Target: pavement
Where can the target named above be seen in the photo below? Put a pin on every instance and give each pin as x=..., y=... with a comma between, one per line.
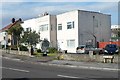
x=64, y=63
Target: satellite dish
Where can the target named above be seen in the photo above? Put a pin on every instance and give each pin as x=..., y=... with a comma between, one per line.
x=45, y=45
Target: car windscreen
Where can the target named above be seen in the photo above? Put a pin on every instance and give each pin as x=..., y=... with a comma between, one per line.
x=111, y=46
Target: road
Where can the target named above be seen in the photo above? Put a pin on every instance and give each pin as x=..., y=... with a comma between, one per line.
x=19, y=69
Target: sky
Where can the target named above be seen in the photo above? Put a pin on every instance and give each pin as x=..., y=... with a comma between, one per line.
x=30, y=9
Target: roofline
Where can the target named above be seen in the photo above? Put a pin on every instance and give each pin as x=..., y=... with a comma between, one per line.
x=8, y=26
x=94, y=12
x=84, y=11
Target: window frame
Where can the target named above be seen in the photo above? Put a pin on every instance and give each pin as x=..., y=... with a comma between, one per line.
x=70, y=25
x=71, y=44
x=44, y=27
x=60, y=26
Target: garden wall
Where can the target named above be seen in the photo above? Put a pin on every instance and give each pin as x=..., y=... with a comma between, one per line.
x=26, y=53
x=88, y=58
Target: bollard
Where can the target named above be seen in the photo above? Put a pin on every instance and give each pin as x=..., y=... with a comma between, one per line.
x=91, y=54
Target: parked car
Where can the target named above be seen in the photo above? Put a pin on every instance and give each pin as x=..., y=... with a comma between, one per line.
x=81, y=49
x=86, y=48
x=111, y=49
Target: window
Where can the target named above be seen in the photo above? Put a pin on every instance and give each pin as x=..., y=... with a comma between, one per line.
x=44, y=27
x=70, y=25
x=59, y=26
x=71, y=43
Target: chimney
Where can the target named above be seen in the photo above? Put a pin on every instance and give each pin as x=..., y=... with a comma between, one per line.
x=20, y=19
x=13, y=20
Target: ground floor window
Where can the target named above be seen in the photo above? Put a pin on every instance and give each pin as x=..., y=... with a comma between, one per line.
x=71, y=43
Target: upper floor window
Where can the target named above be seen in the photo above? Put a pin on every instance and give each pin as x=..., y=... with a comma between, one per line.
x=70, y=25
x=59, y=26
x=44, y=27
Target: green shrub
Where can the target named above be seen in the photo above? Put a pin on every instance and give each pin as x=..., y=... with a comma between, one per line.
x=23, y=48
x=14, y=47
x=3, y=46
x=39, y=50
x=52, y=50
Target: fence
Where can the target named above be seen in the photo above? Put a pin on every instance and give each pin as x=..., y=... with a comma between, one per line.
x=103, y=44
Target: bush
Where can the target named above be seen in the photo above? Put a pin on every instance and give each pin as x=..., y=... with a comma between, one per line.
x=23, y=48
x=14, y=47
x=52, y=50
x=39, y=50
x=3, y=46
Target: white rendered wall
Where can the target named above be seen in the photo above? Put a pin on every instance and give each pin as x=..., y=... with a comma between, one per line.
x=35, y=24
x=67, y=34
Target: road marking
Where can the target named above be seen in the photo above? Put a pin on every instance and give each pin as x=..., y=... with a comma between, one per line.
x=75, y=77
x=67, y=76
x=97, y=68
x=16, y=69
x=11, y=58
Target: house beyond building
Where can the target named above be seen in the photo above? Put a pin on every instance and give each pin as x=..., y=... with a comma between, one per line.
x=114, y=34
x=5, y=38
x=80, y=27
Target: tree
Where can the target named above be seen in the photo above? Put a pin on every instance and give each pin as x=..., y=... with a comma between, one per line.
x=15, y=32
x=119, y=33
x=30, y=38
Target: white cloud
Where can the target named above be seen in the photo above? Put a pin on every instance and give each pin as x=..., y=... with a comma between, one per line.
x=94, y=7
x=58, y=9
x=102, y=6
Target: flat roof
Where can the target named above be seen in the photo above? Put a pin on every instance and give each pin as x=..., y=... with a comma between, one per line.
x=85, y=11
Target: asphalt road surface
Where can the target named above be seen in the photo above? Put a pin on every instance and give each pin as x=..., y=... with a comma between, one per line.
x=18, y=69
